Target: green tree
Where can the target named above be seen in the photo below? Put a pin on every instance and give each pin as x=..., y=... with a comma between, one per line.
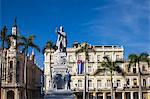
x=49, y=46
x=27, y=43
x=134, y=60
x=85, y=48
x=110, y=66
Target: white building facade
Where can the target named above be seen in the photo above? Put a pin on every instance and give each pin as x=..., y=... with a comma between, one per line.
x=98, y=86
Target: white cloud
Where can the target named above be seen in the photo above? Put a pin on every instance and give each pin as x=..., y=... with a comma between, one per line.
x=122, y=21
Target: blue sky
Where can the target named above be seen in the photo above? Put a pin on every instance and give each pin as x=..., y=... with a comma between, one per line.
x=99, y=22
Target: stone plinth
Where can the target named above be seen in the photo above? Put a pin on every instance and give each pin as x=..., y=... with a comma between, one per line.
x=59, y=94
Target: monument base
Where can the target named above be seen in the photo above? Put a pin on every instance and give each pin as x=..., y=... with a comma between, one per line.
x=59, y=94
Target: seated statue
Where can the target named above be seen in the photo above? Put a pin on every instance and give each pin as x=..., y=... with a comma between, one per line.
x=67, y=79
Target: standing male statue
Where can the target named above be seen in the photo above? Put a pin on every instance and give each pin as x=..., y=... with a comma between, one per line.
x=61, y=40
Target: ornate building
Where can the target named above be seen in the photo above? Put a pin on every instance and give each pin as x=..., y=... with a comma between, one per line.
x=13, y=75
x=98, y=86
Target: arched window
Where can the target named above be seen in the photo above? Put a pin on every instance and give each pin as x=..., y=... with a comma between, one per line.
x=11, y=65
x=10, y=94
x=10, y=71
x=17, y=71
x=144, y=82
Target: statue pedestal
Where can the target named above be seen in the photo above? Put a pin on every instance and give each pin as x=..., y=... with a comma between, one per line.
x=59, y=70
x=59, y=94
x=59, y=89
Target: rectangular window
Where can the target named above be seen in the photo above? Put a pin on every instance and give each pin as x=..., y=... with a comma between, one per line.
x=79, y=57
x=98, y=58
x=117, y=57
x=90, y=68
x=143, y=68
x=144, y=82
x=90, y=83
x=99, y=66
x=135, y=82
x=69, y=58
x=118, y=83
x=108, y=83
x=99, y=83
x=134, y=70
x=90, y=58
x=17, y=71
x=79, y=83
x=127, y=81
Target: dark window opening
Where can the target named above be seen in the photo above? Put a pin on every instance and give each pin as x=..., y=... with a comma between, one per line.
x=134, y=70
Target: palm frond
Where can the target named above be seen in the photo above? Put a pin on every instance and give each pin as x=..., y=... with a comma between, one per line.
x=133, y=57
x=105, y=65
x=31, y=38
x=34, y=46
x=20, y=44
x=79, y=50
x=22, y=38
x=100, y=71
x=119, y=70
x=49, y=45
x=143, y=57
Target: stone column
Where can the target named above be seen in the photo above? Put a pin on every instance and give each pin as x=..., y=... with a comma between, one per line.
x=131, y=95
x=104, y=95
x=114, y=97
x=16, y=92
x=123, y=95
x=94, y=95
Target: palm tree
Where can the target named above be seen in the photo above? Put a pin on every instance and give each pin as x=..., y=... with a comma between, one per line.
x=85, y=48
x=49, y=45
x=134, y=60
x=110, y=66
x=26, y=44
x=3, y=37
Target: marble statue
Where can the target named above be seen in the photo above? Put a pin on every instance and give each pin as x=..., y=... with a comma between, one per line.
x=60, y=61
x=67, y=80
x=61, y=40
x=60, y=82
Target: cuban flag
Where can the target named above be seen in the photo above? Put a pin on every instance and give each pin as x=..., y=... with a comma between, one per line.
x=80, y=67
